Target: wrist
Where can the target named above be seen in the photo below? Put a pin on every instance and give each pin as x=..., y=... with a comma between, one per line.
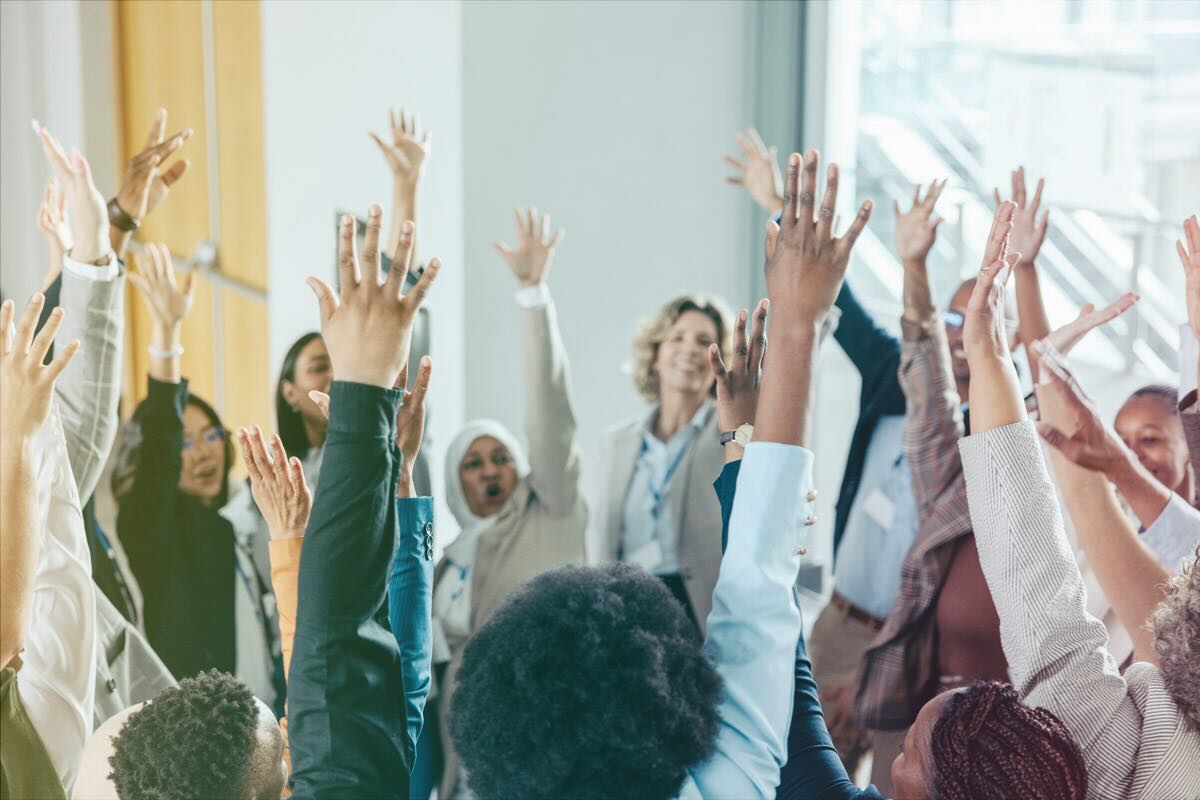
x=404, y=487
x=166, y=335
x=93, y=248
x=1121, y=467
x=916, y=265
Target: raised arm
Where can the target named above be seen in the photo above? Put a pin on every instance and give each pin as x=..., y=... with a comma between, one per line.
x=147, y=181
x=1189, y=405
x=52, y=222
x=346, y=694
x=554, y=460
x=933, y=418
x=406, y=159
x=754, y=625
x=93, y=295
x=1057, y=653
x=1026, y=238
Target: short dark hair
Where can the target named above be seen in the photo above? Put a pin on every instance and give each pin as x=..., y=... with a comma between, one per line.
x=588, y=683
x=291, y=424
x=988, y=745
x=197, y=739
x=1160, y=391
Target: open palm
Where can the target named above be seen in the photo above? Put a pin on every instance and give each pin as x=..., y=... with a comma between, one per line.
x=530, y=259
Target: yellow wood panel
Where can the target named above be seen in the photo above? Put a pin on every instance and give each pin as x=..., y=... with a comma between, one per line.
x=248, y=389
x=198, y=351
x=237, y=39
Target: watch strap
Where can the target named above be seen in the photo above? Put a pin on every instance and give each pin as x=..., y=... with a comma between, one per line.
x=121, y=220
x=726, y=437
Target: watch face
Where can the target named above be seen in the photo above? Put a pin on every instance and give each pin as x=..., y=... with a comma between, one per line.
x=743, y=434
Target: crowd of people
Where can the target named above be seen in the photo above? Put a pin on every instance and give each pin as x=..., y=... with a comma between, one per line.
x=1016, y=603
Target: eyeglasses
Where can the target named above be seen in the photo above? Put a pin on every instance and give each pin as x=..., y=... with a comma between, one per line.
x=210, y=436
x=955, y=319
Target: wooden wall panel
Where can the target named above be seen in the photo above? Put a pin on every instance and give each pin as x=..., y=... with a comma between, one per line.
x=249, y=399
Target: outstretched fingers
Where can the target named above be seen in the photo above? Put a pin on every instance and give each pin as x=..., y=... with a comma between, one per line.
x=370, y=251
x=348, y=272
x=997, y=240
x=398, y=274
x=828, y=204
x=758, y=335
x=808, y=191
x=424, y=283
x=856, y=227
x=791, y=192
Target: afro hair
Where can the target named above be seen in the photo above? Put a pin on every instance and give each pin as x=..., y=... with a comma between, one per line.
x=588, y=683
x=194, y=740
x=1176, y=626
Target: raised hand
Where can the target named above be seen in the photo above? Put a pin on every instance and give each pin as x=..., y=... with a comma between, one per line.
x=1092, y=444
x=52, y=222
x=167, y=299
x=805, y=262
x=984, y=335
x=276, y=483
x=530, y=259
x=916, y=229
x=1028, y=232
x=367, y=327
x=1065, y=338
x=1189, y=256
x=26, y=383
x=87, y=214
x=407, y=153
x=147, y=183
x=759, y=172
x=410, y=423
x=737, y=384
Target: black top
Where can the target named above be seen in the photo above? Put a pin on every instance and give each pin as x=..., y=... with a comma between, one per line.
x=346, y=699
x=180, y=551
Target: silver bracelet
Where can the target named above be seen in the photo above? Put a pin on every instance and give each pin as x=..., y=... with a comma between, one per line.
x=156, y=353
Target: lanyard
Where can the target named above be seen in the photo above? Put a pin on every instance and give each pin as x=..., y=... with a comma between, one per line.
x=118, y=576
x=657, y=493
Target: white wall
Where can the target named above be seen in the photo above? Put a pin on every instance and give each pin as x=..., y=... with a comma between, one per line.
x=613, y=117
x=330, y=71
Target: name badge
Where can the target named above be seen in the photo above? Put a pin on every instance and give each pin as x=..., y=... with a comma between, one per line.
x=648, y=556
x=880, y=508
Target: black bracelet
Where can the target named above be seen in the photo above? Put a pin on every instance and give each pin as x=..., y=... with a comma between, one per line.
x=119, y=219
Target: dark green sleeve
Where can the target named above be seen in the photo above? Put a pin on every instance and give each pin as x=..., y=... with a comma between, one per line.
x=26, y=770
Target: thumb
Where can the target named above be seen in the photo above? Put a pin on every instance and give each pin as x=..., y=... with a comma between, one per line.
x=85, y=169
x=322, y=401
x=326, y=299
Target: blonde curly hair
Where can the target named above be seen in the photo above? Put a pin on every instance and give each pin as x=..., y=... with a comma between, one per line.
x=653, y=331
x=1176, y=626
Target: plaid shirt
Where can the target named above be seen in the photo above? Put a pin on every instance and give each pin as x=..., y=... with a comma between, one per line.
x=899, y=669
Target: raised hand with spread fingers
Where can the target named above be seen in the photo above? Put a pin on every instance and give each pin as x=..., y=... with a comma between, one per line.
x=758, y=171
x=530, y=259
x=1189, y=257
x=1028, y=231
x=916, y=229
x=1065, y=338
x=26, y=382
x=737, y=383
x=367, y=324
x=84, y=203
x=52, y=222
x=169, y=301
x=147, y=180
x=277, y=484
x=410, y=423
x=406, y=156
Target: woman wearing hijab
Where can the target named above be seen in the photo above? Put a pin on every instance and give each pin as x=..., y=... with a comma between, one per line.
x=520, y=516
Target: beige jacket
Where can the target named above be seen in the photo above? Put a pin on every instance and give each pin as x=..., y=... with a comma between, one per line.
x=693, y=502
x=542, y=526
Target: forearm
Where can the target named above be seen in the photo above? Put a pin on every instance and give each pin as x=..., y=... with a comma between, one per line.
x=1126, y=569
x=1031, y=309
x=19, y=540
x=996, y=398
x=166, y=338
x=549, y=415
x=933, y=420
x=1145, y=495
x=918, y=293
x=119, y=240
x=410, y=599
x=404, y=207
x=90, y=391
x=785, y=394
x=285, y=568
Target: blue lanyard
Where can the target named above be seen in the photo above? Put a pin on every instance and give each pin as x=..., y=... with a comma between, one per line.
x=657, y=493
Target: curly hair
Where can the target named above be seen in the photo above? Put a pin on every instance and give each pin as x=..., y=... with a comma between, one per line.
x=653, y=330
x=1176, y=626
x=988, y=745
x=588, y=683
x=194, y=740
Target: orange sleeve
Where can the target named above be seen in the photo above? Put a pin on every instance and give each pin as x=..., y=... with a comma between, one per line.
x=285, y=574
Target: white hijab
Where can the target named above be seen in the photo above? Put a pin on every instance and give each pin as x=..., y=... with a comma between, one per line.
x=471, y=524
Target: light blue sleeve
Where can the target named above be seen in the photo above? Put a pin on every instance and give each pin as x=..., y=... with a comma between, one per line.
x=1175, y=534
x=755, y=624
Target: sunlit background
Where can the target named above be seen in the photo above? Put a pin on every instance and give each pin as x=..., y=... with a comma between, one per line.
x=613, y=117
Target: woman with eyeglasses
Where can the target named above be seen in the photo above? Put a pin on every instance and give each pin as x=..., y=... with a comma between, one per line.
x=206, y=604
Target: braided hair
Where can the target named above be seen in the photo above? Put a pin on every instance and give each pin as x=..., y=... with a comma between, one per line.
x=987, y=745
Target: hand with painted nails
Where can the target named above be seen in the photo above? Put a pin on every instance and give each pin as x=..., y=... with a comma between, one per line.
x=916, y=229
x=26, y=383
x=758, y=171
x=530, y=259
x=52, y=222
x=1064, y=339
x=147, y=180
x=85, y=205
x=737, y=383
x=277, y=484
x=984, y=334
x=806, y=263
x=367, y=324
x=1090, y=444
x=1189, y=256
x=1028, y=232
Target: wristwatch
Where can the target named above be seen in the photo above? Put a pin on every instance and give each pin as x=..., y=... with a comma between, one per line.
x=121, y=220
x=740, y=435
